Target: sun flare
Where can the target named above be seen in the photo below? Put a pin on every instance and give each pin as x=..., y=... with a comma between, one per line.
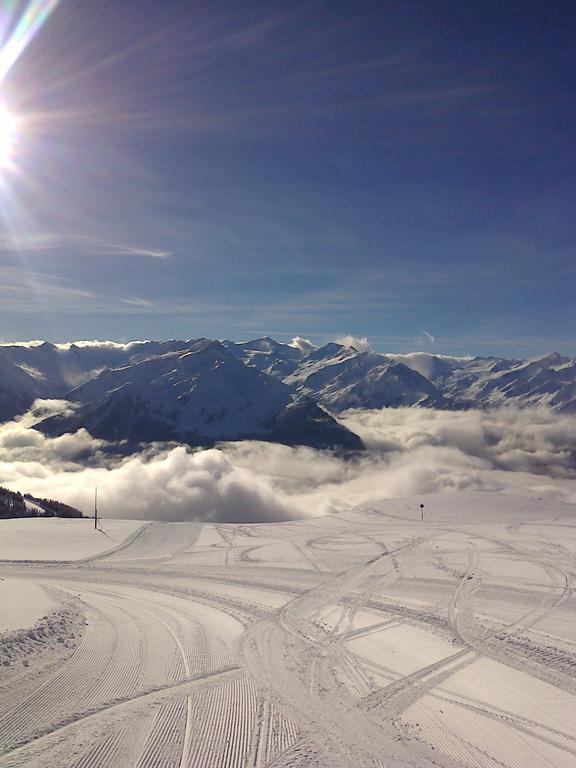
x=8, y=131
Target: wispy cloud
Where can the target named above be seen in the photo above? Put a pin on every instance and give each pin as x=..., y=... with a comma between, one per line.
x=138, y=302
x=114, y=249
x=28, y=291
x=425, y=338
x=25, y=289
x=47, y=242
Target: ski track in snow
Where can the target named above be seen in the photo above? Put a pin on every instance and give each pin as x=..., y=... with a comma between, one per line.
x=357, y=639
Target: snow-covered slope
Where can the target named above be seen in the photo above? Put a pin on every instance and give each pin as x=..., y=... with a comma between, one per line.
x=364, y=638
x=490, y=381
x=57, y=368
x=335, y=376
x=18, y=388
x=23, y=604
x=55, y=538
x=197, y=396
x=267, y=355
x=340, y=377
x=550, y=380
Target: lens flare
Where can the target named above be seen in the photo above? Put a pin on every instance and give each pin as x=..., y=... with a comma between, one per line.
x=8, y=131
x=29, y=22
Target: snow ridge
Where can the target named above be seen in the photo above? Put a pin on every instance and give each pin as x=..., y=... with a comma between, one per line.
x=202, y=390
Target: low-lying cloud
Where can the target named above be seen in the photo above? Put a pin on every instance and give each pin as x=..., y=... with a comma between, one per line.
x=161, y=483
x=410, y=451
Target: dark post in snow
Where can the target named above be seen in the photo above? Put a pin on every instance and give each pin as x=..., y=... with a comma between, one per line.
x=96, y=507
x=422, y=512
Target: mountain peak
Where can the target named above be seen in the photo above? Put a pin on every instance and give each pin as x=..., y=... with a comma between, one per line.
x=336, y=375
x=303, y=345
x=552, y=358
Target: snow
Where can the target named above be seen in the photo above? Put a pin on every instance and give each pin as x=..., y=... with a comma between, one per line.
x=303, y=345
x=162, y=375
x=482, y=507
x=340, y=377
x=60, y=539
x=23, y=603
x=363, y=638
x=428, y=364
x=34, y=508
x=197, y=396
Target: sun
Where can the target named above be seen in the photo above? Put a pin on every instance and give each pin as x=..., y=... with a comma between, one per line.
x=8, y=131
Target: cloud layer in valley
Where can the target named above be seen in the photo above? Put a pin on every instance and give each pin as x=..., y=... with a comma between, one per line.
x=410, y=451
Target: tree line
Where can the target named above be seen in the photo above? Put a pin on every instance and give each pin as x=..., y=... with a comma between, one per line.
x=13, y=504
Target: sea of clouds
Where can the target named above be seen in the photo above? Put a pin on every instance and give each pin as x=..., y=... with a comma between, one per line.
x=410, y=451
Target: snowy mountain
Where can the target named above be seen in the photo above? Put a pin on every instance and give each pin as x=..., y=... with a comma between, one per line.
x=550, y=380
x=58, y=368
x=18, y=388
x=197, y=396
x=341, y=377
x=202, y=390
x=267, y=355
x=492, y=381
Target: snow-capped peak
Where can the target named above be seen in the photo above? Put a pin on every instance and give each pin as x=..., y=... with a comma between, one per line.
x=304, y=345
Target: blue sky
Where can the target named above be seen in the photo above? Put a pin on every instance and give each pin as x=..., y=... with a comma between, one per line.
x=235, y=169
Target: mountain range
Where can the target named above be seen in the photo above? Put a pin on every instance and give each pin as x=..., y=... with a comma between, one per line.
x=201, y=391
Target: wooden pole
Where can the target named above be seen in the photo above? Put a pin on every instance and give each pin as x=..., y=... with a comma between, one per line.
x=96, y=507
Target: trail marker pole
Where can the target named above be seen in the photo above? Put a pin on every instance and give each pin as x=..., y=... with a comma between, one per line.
x=96, y=508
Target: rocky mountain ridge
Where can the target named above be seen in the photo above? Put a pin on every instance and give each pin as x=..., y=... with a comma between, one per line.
x=201, y=391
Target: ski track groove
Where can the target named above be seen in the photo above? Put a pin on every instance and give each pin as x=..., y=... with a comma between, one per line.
x=69, y=683
x=105, y=751
x=167, y=729
x=214, y=678
x=300, y=695
x=130, y=541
